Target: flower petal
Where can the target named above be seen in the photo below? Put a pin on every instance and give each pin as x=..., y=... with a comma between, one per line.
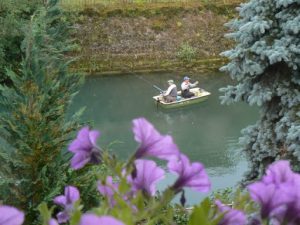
x=269, y=196
x=199, y=180
x=109, y=188
x=152, y=142
x=62, y=217
x=52, y=222
x=93, y=136
x=79, y=160
x=189, y=175
x=231, y=216
x=82, y=141
x=60, y=200
x=148, y=174
x=279, y=172
x=72, y=194
x=91, y=219
x=10, y=216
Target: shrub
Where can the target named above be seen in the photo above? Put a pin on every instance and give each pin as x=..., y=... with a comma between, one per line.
x=186, y=52
x=130, y=196
x=34, y=125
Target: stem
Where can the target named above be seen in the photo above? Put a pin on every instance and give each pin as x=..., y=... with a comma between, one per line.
x=155, y=210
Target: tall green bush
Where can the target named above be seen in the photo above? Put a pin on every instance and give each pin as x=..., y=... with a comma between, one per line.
x=14, y=15
x=34, y=128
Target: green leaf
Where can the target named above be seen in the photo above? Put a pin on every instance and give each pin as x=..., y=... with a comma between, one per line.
x=123, y=211
x=201, y=214
x=123, y=186
x=76, y=214
x=139, y=201
x=45, y=213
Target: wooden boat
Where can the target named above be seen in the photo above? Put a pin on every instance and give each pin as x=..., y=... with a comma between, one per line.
x=200, y=96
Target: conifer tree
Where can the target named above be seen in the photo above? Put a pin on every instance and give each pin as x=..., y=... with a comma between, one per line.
x=14, y=15
x=266, y=65
x=34, y=127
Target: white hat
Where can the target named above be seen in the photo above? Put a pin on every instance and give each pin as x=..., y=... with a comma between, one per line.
x=171, y=81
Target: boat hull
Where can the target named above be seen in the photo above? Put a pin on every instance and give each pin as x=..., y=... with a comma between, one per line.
x=200, y=96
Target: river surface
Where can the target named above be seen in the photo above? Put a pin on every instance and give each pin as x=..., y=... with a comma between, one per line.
x=207, y=132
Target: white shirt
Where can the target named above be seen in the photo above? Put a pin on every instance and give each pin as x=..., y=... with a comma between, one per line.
x=168, y=91
x=188, y=85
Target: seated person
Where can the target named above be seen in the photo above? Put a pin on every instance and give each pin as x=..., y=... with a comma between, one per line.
x=185, y=87
x=170, y=94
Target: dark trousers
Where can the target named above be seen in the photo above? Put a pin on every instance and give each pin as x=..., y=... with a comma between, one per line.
x=187, y=94
x=169, y=98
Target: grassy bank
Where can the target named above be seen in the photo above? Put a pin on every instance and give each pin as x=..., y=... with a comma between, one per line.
x=171, y=36
x=112, y=3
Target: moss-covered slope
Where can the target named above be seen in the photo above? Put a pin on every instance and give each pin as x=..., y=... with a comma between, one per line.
x=160, y=37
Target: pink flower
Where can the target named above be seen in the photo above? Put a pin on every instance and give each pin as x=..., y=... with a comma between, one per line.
x=152, y=143
x=91, y=219
x=67, y=202
x=231, y=216
x=147, y=175
x=108, y=189
x=85, y=148
x=10, y=216
x=190, y=175
x=52, y=222
x=278, y=193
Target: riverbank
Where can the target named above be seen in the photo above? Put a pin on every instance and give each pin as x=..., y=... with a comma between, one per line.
x=151, y=37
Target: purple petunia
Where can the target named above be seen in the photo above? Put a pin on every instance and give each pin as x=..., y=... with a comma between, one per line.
x=152, y=143
x=85, y=148
x=52, y=222
x=91, y=219
x=268, y=196
x=147, y=175
x=277, y=193
x=231, y=216
x=290, y=211
x=10, y=216
x=108, y=189
x=67, y=202
x=191, y=175
x=280, y=172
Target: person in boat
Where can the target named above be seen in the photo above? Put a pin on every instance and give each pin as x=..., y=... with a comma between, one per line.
x=170, y=94
x=185, y=87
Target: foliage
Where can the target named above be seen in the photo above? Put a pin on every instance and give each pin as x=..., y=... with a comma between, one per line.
x=14, y=15
x=34, y=127
x=225, y=195
x=130, y=197
x=266, y=65
x=181, y=215
x=236, y=198
x=186, y=52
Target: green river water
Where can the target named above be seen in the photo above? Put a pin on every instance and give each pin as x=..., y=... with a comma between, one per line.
x=207, y=132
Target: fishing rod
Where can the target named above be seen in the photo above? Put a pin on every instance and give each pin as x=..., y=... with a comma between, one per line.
x=153, y=85
x=148, y=82
x=157, y=88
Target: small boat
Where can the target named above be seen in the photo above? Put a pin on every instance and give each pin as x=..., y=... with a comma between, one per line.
x=200, y=96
